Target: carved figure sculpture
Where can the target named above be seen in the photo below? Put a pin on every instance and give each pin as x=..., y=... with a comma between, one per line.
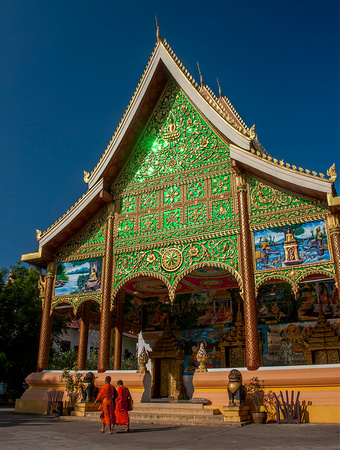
x=89, y=390
x=236, y=391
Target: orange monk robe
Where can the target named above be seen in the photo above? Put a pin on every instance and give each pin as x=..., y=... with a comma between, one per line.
x=121, y=411
x=107, y=412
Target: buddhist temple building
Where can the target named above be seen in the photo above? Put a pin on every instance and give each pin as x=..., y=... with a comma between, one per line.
x=189, y=232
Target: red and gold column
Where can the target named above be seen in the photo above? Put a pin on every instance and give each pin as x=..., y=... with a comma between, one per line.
x=83, y=336
x=46, y=320
x=105, y=311
x=117, y=356
x=334, y=230
x=246, y=264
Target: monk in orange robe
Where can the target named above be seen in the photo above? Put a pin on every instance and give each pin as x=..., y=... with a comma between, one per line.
x=122, y=414
x=106, y=394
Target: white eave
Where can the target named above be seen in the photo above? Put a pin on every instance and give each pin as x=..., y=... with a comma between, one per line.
x=289, y=176
x=161, y=54
x=72, y=215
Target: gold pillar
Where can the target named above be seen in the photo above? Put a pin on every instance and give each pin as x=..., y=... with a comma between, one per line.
x=117, y=355
x=83, y=336
x=46, y=320
x=246, y=263
x=334, y=229
x=105, y=311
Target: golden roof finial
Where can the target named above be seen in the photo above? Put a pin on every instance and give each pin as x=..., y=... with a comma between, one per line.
x=158, y=33
x=219, y=88
x=252, y=133
x=201, y=78
x=39, y=233
x=86, y=176
x=332, y=173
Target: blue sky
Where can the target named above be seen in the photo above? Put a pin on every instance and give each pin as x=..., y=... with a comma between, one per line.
x=69, y=68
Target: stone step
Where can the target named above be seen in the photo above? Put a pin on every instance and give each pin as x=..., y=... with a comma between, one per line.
x=161, y=421
x=164, y=411
x=161, y=410
x=171, y=405
x=175, y=417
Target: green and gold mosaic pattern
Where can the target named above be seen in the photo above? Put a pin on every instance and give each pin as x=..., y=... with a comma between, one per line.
x=89, y=242
x=148, y=223
x=177, y=142
x=126, y=228
x=128, y=204
x=268, y=203
x=148, y=200
x=195, y=189
x=169, y=261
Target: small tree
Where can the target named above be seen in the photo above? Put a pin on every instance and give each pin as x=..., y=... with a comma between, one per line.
x=73, y=385
x=257, y=396
x=20, y=319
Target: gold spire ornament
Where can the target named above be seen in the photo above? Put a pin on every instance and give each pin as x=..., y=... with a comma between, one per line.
x=86, y=176
x=201, y=77
x=219, y=89
x=158, y=33
x=39, y=233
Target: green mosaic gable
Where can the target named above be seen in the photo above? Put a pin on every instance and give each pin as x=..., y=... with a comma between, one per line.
x=269, y=203
x=88, y=242
x=177, y=140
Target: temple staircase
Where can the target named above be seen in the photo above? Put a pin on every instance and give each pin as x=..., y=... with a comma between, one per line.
x=159, y=412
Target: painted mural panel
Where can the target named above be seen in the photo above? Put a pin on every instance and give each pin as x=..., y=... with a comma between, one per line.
x=291, y=245
x=191, y=310
x=276, y=304
x=190, y=341
x=76, y=277
x=285, y=343
x=310, y=294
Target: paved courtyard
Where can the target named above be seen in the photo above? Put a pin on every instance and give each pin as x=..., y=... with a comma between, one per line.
x=27, y=431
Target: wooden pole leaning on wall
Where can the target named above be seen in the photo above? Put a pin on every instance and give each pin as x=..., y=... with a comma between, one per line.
x=84, y=336
x=105, y=310
x=246, y=264
x=46, y=320
x=118, y=346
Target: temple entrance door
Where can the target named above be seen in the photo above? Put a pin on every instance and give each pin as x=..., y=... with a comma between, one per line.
x=167, y=377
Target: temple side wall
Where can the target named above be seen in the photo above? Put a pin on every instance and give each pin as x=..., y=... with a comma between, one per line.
x=319, y=388
x=34, y=399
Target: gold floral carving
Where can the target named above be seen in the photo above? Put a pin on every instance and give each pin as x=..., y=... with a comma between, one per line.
x=172, y=259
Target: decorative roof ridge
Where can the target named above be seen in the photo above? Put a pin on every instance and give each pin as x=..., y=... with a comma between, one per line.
x=40, y=234
x=292, y=168
x=213, y=101
x=233, y=110
x=125, y=113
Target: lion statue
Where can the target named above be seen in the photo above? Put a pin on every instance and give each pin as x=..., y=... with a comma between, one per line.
x=236, y=391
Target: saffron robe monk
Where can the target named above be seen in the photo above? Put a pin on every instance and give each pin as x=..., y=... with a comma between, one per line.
x=106, y=394
x=121, y=412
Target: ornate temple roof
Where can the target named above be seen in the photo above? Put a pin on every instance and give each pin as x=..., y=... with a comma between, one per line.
x=245, y=149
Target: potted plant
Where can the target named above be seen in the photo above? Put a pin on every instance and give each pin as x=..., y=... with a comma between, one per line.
x=258, y=398
x=73, y=387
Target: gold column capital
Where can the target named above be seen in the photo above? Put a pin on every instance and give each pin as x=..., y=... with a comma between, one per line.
x=51, y=269
x=333, y=221
x=241, y=181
